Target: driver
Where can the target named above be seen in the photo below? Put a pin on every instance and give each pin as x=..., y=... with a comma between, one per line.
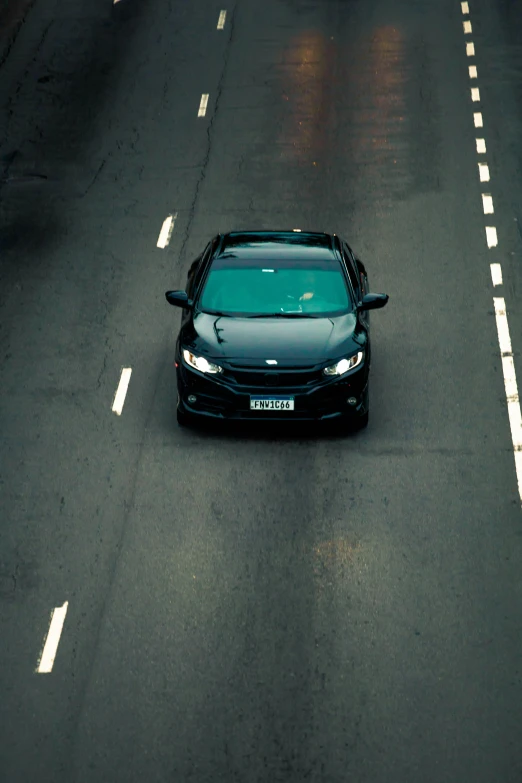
x=309, y=286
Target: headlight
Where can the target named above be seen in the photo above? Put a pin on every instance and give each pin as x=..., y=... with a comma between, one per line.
x=344, y=365
x=200, y=363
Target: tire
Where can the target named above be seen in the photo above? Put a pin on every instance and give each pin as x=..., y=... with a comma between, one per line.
x=362, y=422
x=182, y=418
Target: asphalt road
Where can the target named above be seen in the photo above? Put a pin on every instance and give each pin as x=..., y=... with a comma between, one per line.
x=246, y=606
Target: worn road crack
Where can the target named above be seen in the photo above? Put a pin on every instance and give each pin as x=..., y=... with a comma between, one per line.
x=202, y=176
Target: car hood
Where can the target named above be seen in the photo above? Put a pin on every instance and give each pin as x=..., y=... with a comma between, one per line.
x=287, y=340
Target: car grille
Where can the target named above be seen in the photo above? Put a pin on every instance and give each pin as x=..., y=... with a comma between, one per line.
x=273, y=379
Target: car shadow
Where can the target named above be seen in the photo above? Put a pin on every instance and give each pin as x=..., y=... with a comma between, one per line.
x=272, y=432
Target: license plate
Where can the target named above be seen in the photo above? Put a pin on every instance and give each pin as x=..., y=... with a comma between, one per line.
x=271, y=403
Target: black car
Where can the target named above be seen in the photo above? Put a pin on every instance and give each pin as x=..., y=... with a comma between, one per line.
x=275, y=326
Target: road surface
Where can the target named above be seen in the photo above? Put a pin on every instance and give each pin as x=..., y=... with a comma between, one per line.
x=235, y=605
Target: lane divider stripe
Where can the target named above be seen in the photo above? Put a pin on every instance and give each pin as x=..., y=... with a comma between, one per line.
x=203, y=105
x=496, y=274
x=483, y=172
x=487, y=203
x=491, y=236
x=166, y=231
x=121, y=392
x=510, y=385
x=46, y=662
x=504, y=339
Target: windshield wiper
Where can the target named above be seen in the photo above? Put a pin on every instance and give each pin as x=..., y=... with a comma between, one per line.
x=283, y=315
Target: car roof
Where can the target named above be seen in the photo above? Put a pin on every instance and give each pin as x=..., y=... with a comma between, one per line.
x=310, y=245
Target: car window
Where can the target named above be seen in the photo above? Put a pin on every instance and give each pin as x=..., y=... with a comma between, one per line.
x=316, y=289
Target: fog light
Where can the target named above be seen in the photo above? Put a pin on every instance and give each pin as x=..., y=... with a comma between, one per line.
x=352, y=400
x=192, y=398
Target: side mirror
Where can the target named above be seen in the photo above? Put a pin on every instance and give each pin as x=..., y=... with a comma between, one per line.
x=178, y=299
x=373, y=302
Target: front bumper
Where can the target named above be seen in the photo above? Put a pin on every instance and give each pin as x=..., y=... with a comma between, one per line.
x=217, y=399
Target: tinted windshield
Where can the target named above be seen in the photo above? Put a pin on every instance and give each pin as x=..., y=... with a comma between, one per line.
x=255, y=288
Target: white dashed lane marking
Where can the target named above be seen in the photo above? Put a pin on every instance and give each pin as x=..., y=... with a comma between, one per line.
x=491, y=236
x=504, y=339
x=487, y=203
x=496, y=274
x=46, y=662
x=510, y=385
x=166, y=231
x=203, y=105
x=121, y=392
x=483, y=172
x=221, y=20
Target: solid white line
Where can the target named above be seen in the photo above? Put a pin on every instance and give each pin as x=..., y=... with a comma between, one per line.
x=473, y=72
x=477, y=119
x=483, y=172
x=465, y=8
x=45, y=664
x=475, y=94
x=481, y=145
x=510, y=386
x=203, y=105
x=487, y=203
x=221, y=20
x=119, y=399
x=496, y=274
x=166, y=231
x=491, y=236
x=470, y=49
x=467, y=27
x=518, y=468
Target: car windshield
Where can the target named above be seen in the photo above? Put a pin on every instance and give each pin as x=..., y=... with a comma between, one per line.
x=275, y=288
